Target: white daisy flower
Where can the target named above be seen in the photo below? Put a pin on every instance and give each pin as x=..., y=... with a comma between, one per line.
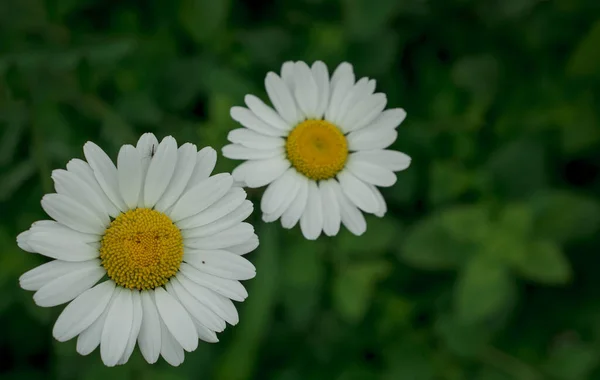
x=322, y=150
x=168, y=236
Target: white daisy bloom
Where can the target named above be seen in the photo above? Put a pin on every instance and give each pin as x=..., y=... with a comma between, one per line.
x=321, y=151
x=168, y=237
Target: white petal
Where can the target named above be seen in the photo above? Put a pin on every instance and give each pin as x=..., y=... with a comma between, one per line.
x=177, y=319
x=342, y=82
x=135, y=326
x=160, y=171
x=311, y=221
x=205, y=333
x=149, y=338
x=382, y=209
x=225, y=287
x=358, y=192
x=45, y=273
x=287, y=74
x=343, y=70
x=130, y=175
x=186, y=162
x=235, y=217
x=331, y=208
x=229, y=202
x=83, y=311
x=369, y=173
x=66, y=287
x=170, y=349
x=249, y=120
x=201, y=330
x=278, y=192
x=196, y=309
x=237, y=234
x=220, y=263
x=105, y=173
x=72, y=214
x=282, y=98
x=54, y=227
x=306, y=90
x=370, y=138
x=258, y=173
x=240, y=152
x=89, y=339
x=251, y=139
x=146, y=146
x=57, y=246
x=220, y=305
x=72, y=186
x=22, y=239
x=292, y=215
x=389, y=159
x=266, y=113
x=246, y=247
x=206, y=159
x=321, y=75
x=352, y=218
x=363, y=113
x=201, y=196
x=389, y=119
x=84, y=171
x=357, y=93
x=117, y=327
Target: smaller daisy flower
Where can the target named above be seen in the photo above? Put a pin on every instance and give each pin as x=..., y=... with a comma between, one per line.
x=167, y=236
x=321, y=151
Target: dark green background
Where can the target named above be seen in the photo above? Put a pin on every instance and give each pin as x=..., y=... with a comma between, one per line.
x=487, y=264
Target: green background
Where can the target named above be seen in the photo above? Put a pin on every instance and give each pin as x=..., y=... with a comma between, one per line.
x=486, y=265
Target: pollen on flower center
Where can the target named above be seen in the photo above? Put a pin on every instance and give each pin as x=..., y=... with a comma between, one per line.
x=141, y=249
x=317, y=149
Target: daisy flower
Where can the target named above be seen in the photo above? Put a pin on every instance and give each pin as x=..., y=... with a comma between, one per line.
x=321, y=151
x=167, y=236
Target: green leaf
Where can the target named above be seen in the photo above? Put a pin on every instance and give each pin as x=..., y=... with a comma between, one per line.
x=15, y=177
x=572, y=360
x=464, y=339
x=376, y=59
x=478, y=75
x=517, y=219
x=563, y=216
x=303, y=274
x=445, y=240
x=363, y=20
x=353, y=288
x=409, y=359
x=202, y=19
x=139, y=108
x=448, y=181
x=544, y=262
x=586, y=58
x=518, y=168
x=484, y=289
x=266, y=45
x=381, y=235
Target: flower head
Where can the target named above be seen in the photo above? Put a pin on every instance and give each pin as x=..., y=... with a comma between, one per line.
x=321, y=150
x=167, y=236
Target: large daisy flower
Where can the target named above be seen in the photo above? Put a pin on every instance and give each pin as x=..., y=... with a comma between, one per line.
x=322, y=150
x=167, y=236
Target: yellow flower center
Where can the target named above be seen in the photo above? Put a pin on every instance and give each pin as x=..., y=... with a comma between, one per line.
x=141, y=249
x=317, y=149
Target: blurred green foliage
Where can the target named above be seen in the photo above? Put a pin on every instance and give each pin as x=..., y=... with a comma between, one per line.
x=486, y=265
